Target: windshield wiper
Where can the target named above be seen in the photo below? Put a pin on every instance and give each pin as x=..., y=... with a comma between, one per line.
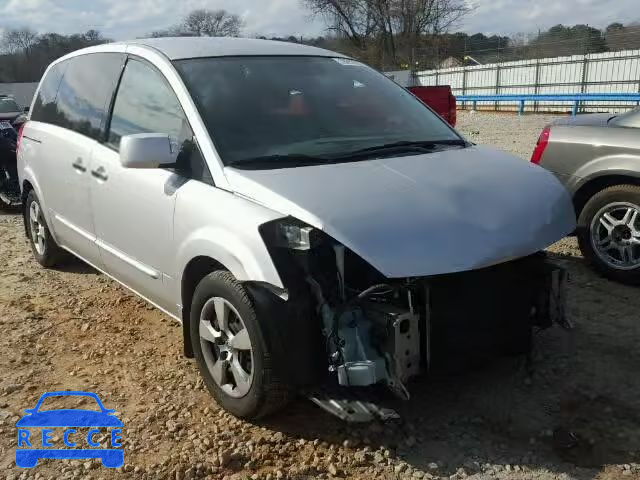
x=279, y=161
x=423, y=146
x=292, y=160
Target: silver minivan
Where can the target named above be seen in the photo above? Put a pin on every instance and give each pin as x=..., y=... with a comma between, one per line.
x=307, y=220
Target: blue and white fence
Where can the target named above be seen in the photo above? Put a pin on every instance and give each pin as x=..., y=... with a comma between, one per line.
x=556, y=82
x=578, y=100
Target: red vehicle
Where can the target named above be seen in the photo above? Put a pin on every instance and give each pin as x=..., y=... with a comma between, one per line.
x=440, y=99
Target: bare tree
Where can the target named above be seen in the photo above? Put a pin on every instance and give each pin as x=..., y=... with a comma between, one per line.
x=392, y=27
x=30, y=54
x=19, y=40
x=213, y=23
x=352, y=19
x=205, y=23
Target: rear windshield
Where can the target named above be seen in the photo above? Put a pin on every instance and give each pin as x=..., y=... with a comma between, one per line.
x=319, y=106
x=8, y=105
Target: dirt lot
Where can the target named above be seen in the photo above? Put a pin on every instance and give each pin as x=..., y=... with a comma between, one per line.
x=75, y=329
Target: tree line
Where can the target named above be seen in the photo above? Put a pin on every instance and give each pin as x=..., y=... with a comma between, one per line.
x=25, y=55
x=387, y=34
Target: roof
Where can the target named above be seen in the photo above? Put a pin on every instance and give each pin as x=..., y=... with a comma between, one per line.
x=176, y=48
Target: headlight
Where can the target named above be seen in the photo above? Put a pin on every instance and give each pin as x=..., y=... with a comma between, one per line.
x=296, y=236
x=291, y=233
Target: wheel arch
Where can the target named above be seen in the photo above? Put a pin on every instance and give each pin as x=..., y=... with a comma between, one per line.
x=281, y=317
x=26, y=187
x=30, y=183
x=211, y=248
x=595, y=184
x=195, y=270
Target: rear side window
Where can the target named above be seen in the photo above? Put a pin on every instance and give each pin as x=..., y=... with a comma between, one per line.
x=44, y=109
x=85, y=92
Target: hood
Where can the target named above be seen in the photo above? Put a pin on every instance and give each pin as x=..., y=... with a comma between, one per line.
x=589, y=119
x=442, y=212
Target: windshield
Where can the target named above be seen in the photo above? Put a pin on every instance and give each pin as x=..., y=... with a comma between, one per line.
x=8, y=105
x=277, y=107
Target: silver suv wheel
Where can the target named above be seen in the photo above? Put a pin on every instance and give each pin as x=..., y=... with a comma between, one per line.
x=45, y=249
x=226, y=347
x=234, y=349
x=37, y=227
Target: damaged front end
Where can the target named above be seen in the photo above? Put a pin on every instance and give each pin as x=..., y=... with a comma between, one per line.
x=377, y=330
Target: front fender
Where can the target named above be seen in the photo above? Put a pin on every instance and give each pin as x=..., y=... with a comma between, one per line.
x=215, y=223
x=245, y=258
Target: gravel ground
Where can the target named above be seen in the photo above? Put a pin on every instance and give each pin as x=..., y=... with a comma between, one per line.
x=506, y=131
x=75, y=329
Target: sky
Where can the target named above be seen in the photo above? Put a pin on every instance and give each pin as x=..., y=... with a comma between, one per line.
x=121, y=19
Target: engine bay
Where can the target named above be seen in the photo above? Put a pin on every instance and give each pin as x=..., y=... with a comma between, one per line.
x=381, y=331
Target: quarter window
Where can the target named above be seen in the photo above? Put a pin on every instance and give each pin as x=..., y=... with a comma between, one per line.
x=85, y=91
x=44, y=109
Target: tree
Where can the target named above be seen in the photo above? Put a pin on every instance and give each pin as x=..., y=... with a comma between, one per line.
x=622, y=37
x=19, y=40
x=205, y=23
x=390, y=29
x=30, y=54
x=614, y=27
x=576, y=40
x=213, y=23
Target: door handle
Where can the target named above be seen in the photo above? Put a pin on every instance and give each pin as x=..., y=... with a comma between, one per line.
x=78, y=165
x=100, y=173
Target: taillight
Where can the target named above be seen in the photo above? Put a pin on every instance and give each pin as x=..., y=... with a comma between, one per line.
x=543, y=141
x=20, y=133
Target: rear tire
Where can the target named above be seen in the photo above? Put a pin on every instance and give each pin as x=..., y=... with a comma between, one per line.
x=604, y=216
x=243, y=380
x=45, y=249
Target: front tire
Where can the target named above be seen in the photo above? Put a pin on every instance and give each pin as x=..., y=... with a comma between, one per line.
x=609, y=233
x=45, y=249
x=231, y=350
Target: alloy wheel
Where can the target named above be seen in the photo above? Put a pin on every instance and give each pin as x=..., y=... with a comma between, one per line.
x=615, y=235
x=37, y=228
x=226, y=347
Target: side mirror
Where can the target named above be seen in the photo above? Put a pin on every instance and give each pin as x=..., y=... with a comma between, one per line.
x=146, y=150
x=25, y=109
